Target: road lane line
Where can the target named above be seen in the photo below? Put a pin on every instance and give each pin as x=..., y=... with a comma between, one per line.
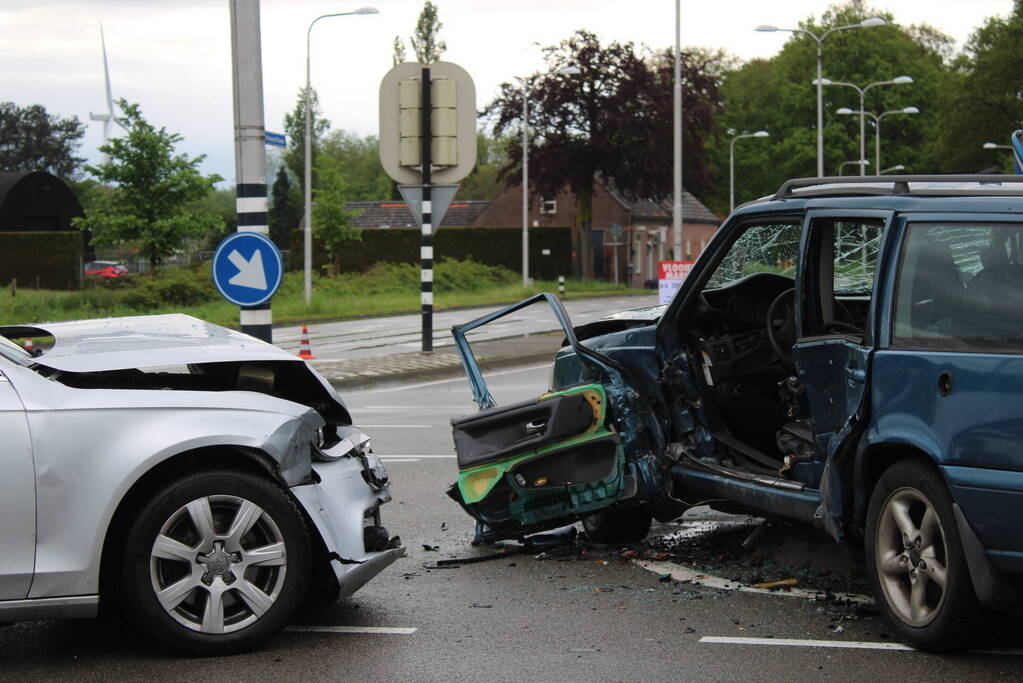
x=699, y=578
x=452, y=457
x=839, y=644
x=399, y=459
x=460, y=378
x=370, y=630
x=396, y=426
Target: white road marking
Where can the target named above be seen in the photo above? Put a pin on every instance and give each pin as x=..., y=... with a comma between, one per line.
x=839, y=644
x=460, y=378
x=399, y=459
x=371, y=630
x=699, y=578
x=397, y=426
x=418, y=456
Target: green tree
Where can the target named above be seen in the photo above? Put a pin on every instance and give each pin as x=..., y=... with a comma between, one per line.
x=294, y=128
x=332, y=222
x=399, y=51
x=360, y=158
x=981, y=97
x=426, y=42
x=484, y=181
x=778, y=95
x=33, y=140
x=156, y=199
x=285, y=209
x=609, y=120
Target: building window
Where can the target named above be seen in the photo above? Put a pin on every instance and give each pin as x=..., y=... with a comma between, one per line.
x=548, y=205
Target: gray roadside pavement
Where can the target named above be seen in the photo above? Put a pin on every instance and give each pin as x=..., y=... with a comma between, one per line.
x=491, y=354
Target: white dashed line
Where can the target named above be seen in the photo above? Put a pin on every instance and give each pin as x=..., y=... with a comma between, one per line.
x=417, y=456
x=396, y=426
x=368, y=630
x=835, y=644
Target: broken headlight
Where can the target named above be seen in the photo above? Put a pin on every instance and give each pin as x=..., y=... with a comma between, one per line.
x=336, y=442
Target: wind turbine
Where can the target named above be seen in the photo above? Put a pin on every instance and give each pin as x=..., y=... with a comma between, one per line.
x=107, y=117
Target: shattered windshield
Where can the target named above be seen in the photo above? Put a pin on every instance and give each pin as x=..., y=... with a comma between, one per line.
x=766, y=248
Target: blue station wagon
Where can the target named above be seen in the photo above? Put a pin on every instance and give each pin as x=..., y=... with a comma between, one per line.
x=846, y=353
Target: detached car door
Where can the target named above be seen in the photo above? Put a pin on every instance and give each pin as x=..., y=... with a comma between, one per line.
x=17, y=493
x=541, y=463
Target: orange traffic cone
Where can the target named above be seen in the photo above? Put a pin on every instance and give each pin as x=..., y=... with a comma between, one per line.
x=29, y=346
x=305, y=352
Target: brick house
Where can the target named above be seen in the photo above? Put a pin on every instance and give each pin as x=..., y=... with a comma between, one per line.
x=646, y=235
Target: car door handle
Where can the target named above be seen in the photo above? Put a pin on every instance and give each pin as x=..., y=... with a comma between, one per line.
x=535, y=427
x=856, y=375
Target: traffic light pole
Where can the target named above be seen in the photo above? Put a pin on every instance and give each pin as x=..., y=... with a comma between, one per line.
x=426, y=247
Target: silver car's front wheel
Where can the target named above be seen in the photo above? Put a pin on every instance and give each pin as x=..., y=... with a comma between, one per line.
x=217, y=562
x=916, y=562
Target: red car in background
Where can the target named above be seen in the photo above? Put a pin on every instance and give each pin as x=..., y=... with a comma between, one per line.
x=106, y=268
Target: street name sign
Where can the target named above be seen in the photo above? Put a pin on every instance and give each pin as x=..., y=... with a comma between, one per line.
x=247, y=268
x=275, y=139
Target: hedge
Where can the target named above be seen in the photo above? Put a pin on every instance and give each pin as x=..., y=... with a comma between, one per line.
x=43, y=259
x=489, y=246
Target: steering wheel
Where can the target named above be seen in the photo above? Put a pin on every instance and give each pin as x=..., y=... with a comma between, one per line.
x=782, y=337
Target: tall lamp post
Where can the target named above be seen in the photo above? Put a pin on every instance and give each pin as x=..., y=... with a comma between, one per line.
x=564, y=71
x=995, y=145
x=857, y=162
x=877, y=125
x=676, y=134
x=898, y=80
x=307, y=243
x=896, y=167
x=866, y=23
x=731, y=164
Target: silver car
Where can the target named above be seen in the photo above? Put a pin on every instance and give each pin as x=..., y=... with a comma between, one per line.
x=199, y=480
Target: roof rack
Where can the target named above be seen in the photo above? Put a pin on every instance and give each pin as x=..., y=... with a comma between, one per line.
x=926, y=185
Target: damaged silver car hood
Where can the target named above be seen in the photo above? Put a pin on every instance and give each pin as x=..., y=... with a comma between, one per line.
x=143, y=341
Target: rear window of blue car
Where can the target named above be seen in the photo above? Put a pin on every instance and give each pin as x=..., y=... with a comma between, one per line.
x=960, y=287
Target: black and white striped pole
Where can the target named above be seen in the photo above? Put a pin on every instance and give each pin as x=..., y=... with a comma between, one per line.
x=250, y=144
x=426, y=245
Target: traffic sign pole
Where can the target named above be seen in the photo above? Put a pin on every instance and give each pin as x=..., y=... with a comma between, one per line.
x=426, y=246
x=250, y=166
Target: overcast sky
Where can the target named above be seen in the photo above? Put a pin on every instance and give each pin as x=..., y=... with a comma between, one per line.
x=174, y=57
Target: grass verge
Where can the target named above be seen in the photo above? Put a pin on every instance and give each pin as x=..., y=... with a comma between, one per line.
x=385, y=289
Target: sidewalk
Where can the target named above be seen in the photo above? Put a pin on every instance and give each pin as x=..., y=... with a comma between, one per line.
x=490, y=354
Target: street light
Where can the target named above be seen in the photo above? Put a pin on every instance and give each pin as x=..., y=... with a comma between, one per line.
x=994, y=145
x=898, y=80
x=731, y=164
x=308, y=232
x=896, y=167
x=862, y=163
x=877, y=125
x=866, y=23
x=566, y=71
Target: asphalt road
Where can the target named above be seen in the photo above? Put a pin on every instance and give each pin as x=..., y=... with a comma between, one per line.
x=578, y=614
x=403, y=333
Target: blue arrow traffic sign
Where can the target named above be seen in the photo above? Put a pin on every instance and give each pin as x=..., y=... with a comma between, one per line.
x=247, y=268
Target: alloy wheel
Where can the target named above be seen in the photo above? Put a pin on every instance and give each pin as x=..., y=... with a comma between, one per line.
x=218, y=564
x=911, y=556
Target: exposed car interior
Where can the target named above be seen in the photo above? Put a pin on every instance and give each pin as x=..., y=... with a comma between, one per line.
x=743, y=328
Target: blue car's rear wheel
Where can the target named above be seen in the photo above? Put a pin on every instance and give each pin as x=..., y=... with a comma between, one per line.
x=915, y=560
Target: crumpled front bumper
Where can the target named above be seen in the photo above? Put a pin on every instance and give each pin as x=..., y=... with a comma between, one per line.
x=342, y=504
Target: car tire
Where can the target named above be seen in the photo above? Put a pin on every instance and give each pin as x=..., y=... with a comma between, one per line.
x=216, y=563
x=627, y=525
x=916, y=563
